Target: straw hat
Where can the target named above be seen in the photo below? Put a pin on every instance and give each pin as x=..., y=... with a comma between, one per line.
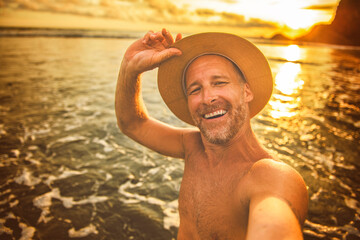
x=244, y=54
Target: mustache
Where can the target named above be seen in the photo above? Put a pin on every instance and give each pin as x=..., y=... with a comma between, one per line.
x=207, y=108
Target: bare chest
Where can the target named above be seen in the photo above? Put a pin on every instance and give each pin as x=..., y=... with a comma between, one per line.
x=210, y=205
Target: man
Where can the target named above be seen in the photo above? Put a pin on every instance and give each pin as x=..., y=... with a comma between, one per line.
x=232, y=188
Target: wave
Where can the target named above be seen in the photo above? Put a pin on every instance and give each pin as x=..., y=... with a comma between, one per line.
x=66, y=33
x=269, y=41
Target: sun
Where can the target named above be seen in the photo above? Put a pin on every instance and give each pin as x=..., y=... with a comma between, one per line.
x=290, y=15
x=299, y=18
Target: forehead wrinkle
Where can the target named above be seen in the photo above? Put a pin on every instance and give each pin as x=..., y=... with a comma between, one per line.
x=227, y=61
x=213, y=77
x=236, y=70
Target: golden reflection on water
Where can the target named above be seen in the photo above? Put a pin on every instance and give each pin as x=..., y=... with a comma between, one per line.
x=285, y=101
x=287, y=80
x=292, y=53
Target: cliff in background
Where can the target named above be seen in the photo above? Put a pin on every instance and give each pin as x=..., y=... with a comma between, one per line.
x=344, y=30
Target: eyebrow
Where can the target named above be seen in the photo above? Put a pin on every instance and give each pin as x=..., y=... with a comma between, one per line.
x=217, y=76
x=191, y=85
x=214, y=77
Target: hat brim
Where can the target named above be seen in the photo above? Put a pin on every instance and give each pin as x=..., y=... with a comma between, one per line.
x=244, y=54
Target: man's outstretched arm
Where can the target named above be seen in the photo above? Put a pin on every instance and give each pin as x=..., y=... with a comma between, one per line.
x=278, y=202
x=133, y=120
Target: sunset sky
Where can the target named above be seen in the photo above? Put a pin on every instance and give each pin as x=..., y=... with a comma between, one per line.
x=247, y=17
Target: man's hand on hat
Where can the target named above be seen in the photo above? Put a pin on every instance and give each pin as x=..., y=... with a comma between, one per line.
x=148, y=52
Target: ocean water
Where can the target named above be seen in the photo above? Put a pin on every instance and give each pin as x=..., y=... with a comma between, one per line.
x=67, y=172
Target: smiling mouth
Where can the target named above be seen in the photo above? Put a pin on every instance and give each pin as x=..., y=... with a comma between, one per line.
x=215, y=114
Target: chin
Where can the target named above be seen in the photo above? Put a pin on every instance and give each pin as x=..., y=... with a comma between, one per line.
x=219, y=138
x=218, y=141
x=219, y=135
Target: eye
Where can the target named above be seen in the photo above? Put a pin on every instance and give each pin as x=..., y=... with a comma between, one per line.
x=220, y=83
x=194, y=91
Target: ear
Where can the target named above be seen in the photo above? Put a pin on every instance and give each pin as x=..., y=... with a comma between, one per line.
x=249, y=96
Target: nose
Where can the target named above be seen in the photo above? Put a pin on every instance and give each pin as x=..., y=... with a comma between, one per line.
x=209, y=96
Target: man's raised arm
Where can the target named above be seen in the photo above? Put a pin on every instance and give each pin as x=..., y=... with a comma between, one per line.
x=133, y=120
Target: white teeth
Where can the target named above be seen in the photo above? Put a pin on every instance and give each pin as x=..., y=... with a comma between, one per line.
x=215, y=114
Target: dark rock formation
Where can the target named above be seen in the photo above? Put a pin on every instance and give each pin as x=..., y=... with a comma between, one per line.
x=279, y=37
x=344, y=30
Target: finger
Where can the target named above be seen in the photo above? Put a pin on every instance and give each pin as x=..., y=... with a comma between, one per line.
x=157, y=37
x=178, y=37
x=168, y=37
x=168, y=53
x=147, y=37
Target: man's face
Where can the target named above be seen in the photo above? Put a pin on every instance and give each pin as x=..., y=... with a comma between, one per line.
x=217, y=98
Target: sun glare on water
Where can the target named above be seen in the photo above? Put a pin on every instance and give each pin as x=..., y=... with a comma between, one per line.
x=292, y=53
x=288, y=84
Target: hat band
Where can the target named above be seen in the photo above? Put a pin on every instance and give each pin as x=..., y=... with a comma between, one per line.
x=183, y=79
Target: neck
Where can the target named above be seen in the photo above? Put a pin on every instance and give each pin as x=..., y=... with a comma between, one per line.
x=244, y=147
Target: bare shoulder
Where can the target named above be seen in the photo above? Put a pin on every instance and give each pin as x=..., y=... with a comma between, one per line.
x=278, y=179
x=276, y=169
x=191, y=139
